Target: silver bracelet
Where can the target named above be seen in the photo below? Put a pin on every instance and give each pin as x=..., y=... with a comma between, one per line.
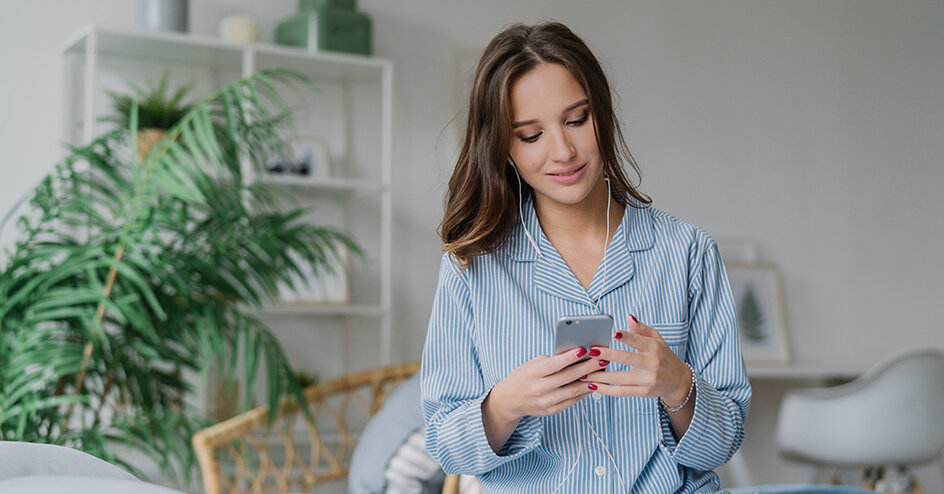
x=687, y=397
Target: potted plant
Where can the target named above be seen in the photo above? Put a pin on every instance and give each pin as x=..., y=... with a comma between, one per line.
x=126, y=277
x=157, y=111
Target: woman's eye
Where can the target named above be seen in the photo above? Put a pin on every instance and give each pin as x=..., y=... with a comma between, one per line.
x=578, y=122
x=533, y=138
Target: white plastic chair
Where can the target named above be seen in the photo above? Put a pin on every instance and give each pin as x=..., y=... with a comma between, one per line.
x=891, y=415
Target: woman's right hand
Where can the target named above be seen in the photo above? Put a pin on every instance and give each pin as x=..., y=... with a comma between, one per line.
x=540, y=387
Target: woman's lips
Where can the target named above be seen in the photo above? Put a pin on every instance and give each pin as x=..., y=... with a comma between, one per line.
x=568, y=175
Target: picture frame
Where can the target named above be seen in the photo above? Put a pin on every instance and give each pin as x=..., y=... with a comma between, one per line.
x=757, y=288
x=305, y=158
x=313, y=152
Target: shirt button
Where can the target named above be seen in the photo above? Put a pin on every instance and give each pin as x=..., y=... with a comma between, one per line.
x=596, y=396
x=599, y=470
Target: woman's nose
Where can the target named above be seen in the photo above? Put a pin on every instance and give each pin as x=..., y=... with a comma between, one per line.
x=562, y=148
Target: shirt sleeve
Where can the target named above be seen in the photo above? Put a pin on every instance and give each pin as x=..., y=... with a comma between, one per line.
x=722, y=389
x=453, y=389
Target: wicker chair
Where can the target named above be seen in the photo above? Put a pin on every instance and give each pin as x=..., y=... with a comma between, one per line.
x=244, y=455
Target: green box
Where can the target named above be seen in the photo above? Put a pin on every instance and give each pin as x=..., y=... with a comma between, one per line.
x=327, y=30
x=305, y=5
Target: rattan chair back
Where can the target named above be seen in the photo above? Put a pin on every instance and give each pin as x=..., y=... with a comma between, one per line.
x=247, y=454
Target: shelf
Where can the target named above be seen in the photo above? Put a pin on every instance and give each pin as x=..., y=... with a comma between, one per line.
x=804, y=371
x=206, y=51
x=355, y=114
x=332, y=186
x=314, y=309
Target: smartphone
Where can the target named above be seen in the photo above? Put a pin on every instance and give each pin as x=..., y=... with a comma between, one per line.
x=583, y=331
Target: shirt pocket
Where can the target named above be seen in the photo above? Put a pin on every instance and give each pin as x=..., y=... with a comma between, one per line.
x=675, y=335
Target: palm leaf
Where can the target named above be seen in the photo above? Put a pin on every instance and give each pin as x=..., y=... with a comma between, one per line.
x=127, y=275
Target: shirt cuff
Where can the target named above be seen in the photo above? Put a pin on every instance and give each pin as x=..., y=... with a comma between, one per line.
x=525, y=438
x=700, y=421
x=712, y=436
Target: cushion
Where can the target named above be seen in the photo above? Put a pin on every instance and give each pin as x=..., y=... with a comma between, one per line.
x=412, y=470
x=75, y=484
x=400, y=417
x=19, y=459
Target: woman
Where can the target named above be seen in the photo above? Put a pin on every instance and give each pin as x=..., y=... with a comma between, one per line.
x=541, y=222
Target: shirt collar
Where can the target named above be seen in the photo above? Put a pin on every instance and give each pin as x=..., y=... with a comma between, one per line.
x=637, y=229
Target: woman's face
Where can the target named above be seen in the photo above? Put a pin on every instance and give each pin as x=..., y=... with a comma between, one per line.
x=554, y=143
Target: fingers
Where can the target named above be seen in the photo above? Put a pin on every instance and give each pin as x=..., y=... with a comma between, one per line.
x=560, y=407
x=641, y=329
x=644, y=381
x=619, y=378
x=566, y=396
x=601, y=354
x=615, y=390
x=640, y=336
x=553, y=365
x=634, y=340
x=576, y=371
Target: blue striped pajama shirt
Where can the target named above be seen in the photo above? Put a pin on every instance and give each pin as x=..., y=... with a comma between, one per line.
x=501, y=312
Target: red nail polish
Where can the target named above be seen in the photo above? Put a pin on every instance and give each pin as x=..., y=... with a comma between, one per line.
x=618, y=336
x=592, y=386
x=582, y=378
x=582, y=352
x=604, y=363
x=594, y=353
x=634, y=318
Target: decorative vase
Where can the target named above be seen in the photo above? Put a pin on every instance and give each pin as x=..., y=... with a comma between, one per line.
x=327, y=25
x=147, y=138
x=239, y=29
x=222, y=400
x=164, y=15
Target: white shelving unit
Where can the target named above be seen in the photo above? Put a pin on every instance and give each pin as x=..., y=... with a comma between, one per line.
x=804, y=371
x=350, y=108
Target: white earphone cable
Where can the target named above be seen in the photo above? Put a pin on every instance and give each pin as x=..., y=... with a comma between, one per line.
x=572, y=467
x=609, y=454
x=521, y=211
x=606, y=241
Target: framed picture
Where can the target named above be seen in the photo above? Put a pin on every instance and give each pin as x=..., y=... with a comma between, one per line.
x=305, y=157
x=761, y=313
x=311, y=152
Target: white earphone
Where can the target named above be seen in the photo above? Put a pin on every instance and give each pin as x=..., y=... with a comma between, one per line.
x=606, y=243
x=605, y=247
x=520, y=211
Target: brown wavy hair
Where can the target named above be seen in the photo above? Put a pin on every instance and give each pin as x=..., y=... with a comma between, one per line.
x=482, y=199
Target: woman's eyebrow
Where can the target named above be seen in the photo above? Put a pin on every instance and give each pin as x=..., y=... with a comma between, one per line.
x=576, y=105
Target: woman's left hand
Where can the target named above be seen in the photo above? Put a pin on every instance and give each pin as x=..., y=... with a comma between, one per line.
x=655, y=369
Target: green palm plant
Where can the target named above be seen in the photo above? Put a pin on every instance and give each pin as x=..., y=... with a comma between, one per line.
x=154, y=108
x=127, y=276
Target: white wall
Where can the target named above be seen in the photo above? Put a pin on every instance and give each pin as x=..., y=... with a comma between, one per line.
x=811, y=128
x=814, y=129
